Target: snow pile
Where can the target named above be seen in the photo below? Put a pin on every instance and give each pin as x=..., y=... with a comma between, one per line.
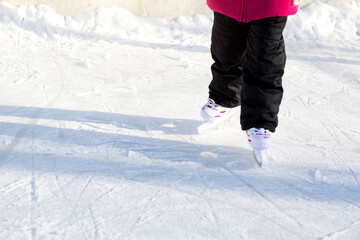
x=98, y=140
x=316, y=21
x=322, y=21
x=108, y=24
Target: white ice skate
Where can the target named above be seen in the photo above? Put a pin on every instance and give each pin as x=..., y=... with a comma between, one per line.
x=260, y=140
x=214, y=114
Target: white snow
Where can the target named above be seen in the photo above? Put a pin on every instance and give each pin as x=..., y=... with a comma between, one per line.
x=98, y=118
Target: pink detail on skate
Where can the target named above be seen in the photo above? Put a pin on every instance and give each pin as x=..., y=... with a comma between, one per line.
x=217, y=116
x=250, y=140
x=208, y=106
x=223, y=112
x=265, y=137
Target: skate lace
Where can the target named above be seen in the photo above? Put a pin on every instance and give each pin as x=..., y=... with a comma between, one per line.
x=211, y=104
x=259, y=131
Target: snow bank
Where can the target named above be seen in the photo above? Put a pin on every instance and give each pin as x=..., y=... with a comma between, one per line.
x=106, y=24
x=317, y=21
x=322, y=21
x=168, y=9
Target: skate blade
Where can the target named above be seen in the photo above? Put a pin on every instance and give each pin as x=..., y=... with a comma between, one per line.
x=260, y=156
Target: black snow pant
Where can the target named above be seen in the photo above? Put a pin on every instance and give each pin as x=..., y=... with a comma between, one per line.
x=249, y=61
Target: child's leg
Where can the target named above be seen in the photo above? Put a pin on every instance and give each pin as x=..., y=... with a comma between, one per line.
x=228, y=43
x=264, y=65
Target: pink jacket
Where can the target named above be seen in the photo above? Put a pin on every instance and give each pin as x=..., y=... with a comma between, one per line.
x=249, y=10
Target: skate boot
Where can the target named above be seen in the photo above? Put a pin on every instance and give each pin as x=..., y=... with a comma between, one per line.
x=260, y=140
x=214, y=114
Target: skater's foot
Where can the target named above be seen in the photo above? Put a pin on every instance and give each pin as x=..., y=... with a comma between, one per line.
x=260, y=140
x=214, y=114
